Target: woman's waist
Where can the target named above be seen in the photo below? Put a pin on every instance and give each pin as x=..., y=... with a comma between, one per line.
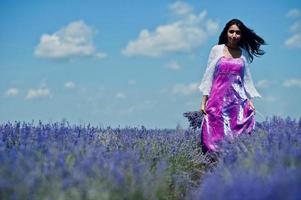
x=232, y=69
x=228, y=72
x=227, y=79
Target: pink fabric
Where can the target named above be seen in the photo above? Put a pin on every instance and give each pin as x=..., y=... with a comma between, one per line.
x=228, y=110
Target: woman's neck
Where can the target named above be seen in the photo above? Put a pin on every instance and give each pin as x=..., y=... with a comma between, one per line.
x=232, y=47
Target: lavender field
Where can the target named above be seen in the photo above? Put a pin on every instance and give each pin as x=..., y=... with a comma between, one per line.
x=63, y=161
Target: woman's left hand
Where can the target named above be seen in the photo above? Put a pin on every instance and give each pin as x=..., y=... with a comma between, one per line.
x=252, y=105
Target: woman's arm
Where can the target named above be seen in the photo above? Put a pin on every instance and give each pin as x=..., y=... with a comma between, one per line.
x=249, y=85
x=203, y=104
x=206, y=82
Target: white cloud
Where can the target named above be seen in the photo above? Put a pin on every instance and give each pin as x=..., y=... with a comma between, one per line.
x=292, y=83
x=294, y=41
x=293, y=13
x=296, y=27
x=76, y=39
x=173, y=65
x=190, y=31
x=100, y=55
x=138, y=107
x=69, y=85
x=180, y=8
x=132, y=82
x=120, y=95
x=270, y=98
x=11, y=92
x=37, y=93
x=263, y=84
x=183, y=89
x=211, y=26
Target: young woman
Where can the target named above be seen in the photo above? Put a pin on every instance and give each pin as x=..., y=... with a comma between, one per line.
x=227, y=85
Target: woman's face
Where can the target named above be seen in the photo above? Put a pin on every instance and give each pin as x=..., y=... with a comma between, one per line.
x=234, y=35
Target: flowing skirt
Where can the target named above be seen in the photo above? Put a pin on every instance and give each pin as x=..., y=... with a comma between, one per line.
x=228, y=109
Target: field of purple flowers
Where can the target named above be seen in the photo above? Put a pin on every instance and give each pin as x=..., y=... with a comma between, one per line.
x=62, y=161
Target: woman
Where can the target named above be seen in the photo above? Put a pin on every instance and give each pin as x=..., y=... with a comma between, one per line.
x=227, y=86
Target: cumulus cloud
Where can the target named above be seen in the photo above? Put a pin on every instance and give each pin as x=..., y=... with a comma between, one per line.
x=37, y=93
x=69, y=85
x=270, y=99
x=296, y=27
x=73, y=40
x=294, y=41
x=120, y=95
x=100, y=55
x=292, y=83
x=185, y=89
x=263, y=84
x=293, y=13
x=11, y=92
x=173, y=65
x=132, y=82
x=191, y=30
x=138, y=107
x=180, y=8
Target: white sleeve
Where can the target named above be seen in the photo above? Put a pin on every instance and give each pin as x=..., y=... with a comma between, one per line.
x=206, y=82
x=249, y=85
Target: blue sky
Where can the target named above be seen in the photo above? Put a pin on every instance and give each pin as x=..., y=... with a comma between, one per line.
x=132, y=63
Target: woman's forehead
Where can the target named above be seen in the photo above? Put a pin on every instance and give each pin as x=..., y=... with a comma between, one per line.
x=234, y=27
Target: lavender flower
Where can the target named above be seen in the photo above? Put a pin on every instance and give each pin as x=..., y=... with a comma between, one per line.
x=264, y=165
x=195, y=119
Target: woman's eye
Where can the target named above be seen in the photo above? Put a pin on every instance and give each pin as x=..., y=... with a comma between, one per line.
x=232, y=31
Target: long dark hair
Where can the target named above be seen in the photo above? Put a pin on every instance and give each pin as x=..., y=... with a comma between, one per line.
x=250, y=41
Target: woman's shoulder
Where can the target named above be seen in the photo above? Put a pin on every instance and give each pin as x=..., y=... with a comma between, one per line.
x=245, y=54
x=243, y=50
x=217, y=47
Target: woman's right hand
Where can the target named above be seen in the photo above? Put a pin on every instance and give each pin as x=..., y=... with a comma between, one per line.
x=203, y=109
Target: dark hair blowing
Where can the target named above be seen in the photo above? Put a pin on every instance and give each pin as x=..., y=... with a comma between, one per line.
x=250, y=41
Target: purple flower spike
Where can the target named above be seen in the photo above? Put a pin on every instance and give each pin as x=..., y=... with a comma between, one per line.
x=195, y=119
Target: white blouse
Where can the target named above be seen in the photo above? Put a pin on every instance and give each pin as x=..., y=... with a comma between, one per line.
x=215, y=54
